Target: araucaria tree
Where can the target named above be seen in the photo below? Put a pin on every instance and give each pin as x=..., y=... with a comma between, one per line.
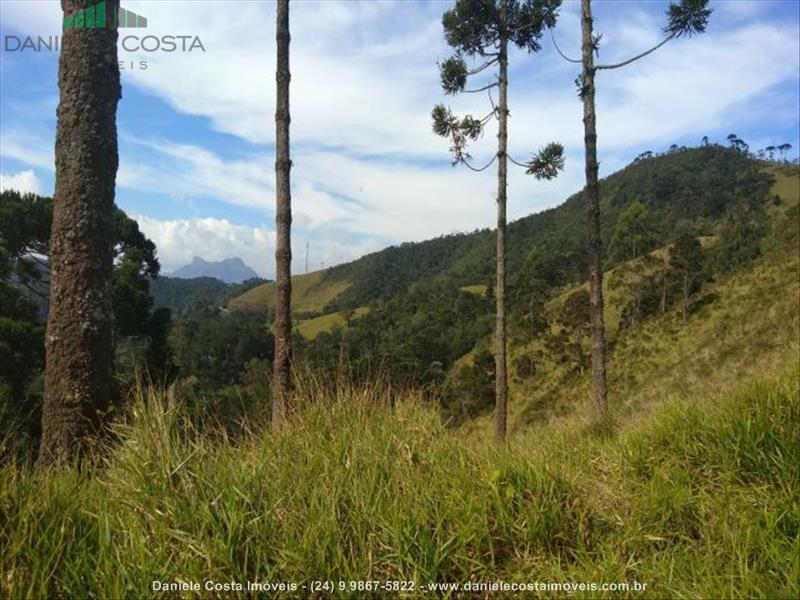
x=78, y=376
x=686, y=18
x=482, y=30
x=282, y=367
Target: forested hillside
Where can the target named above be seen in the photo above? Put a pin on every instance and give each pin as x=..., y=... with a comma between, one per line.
x=183, y=295
x=687, y=185
x=422, y=312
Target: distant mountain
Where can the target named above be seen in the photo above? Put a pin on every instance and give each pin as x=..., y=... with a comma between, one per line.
x=230, y=270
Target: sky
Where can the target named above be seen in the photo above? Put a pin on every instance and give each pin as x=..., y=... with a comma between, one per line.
x=196, y=127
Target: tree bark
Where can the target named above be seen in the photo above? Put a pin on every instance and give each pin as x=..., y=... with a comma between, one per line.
x=592, y=197
x=282, y=376
x=78, y=346
x=501, y=382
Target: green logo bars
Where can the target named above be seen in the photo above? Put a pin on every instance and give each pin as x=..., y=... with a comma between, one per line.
x=94, y=17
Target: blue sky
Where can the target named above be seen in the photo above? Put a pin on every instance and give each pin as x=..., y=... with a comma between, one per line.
x=196, y=128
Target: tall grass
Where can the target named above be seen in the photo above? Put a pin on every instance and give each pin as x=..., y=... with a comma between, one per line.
x=698, y=501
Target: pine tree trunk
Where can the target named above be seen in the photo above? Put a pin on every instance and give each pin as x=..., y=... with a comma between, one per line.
x=685, y=295
x=501, y=383
x=592, y=195
x=281, y=380
x=78, y=377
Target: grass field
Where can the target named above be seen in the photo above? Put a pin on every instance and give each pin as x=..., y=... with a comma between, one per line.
x=748, y=324
x=311, y=328
x=691, y=487
x=477, y=289
x=787, y=183
x=310, y=294
x=696, y=498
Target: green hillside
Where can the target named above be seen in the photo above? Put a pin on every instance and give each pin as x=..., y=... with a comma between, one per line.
x=183, y=296
x=427, y=301
x=385, y=472
x=746, y=325
x=692, y=185
x=311, y=292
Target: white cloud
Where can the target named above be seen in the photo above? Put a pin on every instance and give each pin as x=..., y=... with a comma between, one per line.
x=180, y=240
x=185, y=171
x=28, y=148
x=24, y=181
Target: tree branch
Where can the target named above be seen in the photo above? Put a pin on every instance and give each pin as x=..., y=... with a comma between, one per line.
x=482, y=89
x=637, y=57
x=564, y=56
x=519, y=164
x=483, y=168
x=38, y=261
x=485, y=65
x=488, y=117
x=491, y=101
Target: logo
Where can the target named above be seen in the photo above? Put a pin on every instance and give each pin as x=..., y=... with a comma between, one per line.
x=94, y=17
x=109, y=15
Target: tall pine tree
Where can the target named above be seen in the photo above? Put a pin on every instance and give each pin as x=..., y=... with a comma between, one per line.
x=685, y=19
x=282, y=374
x=482, y=30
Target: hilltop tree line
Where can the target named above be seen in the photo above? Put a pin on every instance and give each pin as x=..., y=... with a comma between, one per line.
x=767, y=154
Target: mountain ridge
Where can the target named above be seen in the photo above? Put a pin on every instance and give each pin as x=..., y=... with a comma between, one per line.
x=229, y=270
x=691, y=184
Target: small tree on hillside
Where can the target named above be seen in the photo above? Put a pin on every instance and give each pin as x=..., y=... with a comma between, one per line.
x=784, y=149
x=637, y=288
x=686, y=262
x=686, y=18
x=631, y=235
x=740, y=235
x=483, y=30
x=574, y=317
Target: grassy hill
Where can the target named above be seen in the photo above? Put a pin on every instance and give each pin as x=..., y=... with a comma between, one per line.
x=311, y=292
x=748, y=325
x=744, y=324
